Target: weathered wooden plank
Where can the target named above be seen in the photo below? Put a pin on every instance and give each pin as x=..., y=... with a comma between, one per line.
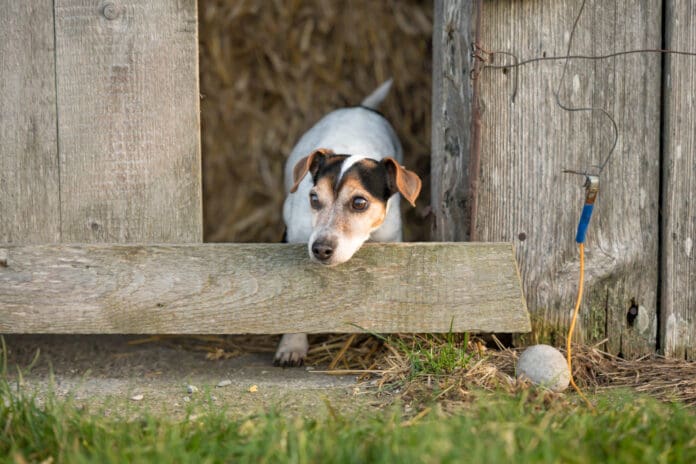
x=451, y=197
x=678, y=283
x=526, y=143
x=259, y=288
x=128, y=113
x=29, y=192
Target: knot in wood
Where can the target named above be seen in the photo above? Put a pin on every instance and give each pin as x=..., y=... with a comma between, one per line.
x=110, y=11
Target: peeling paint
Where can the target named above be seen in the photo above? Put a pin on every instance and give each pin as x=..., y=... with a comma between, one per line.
x=576, y=83
x=643, y=198
x=688, y=244
x=643, y=321
x=670, y=334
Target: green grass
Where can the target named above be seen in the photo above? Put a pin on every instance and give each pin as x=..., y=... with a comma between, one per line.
x=437, y=354
x=494, y=428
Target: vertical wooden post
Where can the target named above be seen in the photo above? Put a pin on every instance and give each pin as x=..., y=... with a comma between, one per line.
x=99, y=133
x=453, y=98
x=128, y=120
x=526, y=141
x=29, y=183
x=678, y=277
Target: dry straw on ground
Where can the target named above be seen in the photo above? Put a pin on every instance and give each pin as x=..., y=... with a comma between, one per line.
x=386, y=363
x=270, y=69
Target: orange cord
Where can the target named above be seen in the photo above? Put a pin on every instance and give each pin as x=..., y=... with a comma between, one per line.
x=581, y=284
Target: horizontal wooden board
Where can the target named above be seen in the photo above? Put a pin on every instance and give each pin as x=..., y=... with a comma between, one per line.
x=259, y=288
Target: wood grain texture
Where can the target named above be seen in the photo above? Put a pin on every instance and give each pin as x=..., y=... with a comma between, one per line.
x=678, y=297
x=128, y=114
x=453, y=35
x=29, y=178
x=259, y=288
x=526, y=143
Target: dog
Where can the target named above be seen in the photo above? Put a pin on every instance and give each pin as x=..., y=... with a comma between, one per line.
x=343, y=181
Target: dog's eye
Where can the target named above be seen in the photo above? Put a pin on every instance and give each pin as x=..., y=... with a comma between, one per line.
x=314, y=200
x=359, y=204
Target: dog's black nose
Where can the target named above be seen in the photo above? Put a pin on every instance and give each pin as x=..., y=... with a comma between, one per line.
x=322, y=250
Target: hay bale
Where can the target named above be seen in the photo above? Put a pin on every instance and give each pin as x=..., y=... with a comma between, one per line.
x=269, y=70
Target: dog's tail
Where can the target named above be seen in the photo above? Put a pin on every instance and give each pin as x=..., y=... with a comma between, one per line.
x=373, y=100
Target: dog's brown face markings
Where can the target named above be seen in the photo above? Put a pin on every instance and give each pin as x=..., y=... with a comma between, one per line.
x=349, y=204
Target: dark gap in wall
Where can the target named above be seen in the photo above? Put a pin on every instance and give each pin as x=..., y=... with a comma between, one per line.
x=270, y=70
x=660, y=218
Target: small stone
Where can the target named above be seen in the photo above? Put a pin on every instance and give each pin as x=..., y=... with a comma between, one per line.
x=224, y=383
x=137, y=397
x=187, y=399
x=253, y=389
x=545, y=366
x=191, y=389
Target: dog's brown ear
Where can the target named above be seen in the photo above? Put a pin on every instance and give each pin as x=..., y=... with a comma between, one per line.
x=309, y=163
x=400, y=179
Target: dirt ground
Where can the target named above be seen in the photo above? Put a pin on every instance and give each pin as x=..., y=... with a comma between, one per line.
x=107, y=373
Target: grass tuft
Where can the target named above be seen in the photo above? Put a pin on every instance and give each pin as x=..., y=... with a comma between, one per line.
x=436, y=355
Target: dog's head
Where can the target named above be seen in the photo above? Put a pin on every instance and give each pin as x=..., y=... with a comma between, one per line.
x=349, y=200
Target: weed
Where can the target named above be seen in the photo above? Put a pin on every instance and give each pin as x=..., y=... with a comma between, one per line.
x=436, y=354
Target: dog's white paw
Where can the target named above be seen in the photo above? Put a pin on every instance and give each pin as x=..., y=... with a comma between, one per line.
x=292, y=350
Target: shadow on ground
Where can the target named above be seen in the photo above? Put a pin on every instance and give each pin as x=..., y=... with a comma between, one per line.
x=106, y=372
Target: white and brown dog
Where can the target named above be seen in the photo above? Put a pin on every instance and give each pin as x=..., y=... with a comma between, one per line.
x=343, y=181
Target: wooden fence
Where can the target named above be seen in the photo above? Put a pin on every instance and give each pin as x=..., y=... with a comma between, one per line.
x=500, y=143
x=99, y=143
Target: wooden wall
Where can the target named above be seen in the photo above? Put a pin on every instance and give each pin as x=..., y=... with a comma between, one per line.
x=678, y=298
x=99, y=142
x=518, y=192
x=99, y=129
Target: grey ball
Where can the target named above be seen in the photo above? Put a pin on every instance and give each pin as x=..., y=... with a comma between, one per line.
x=545, y=366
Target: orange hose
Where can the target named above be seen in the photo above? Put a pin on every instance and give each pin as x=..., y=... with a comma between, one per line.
x=569, y=356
